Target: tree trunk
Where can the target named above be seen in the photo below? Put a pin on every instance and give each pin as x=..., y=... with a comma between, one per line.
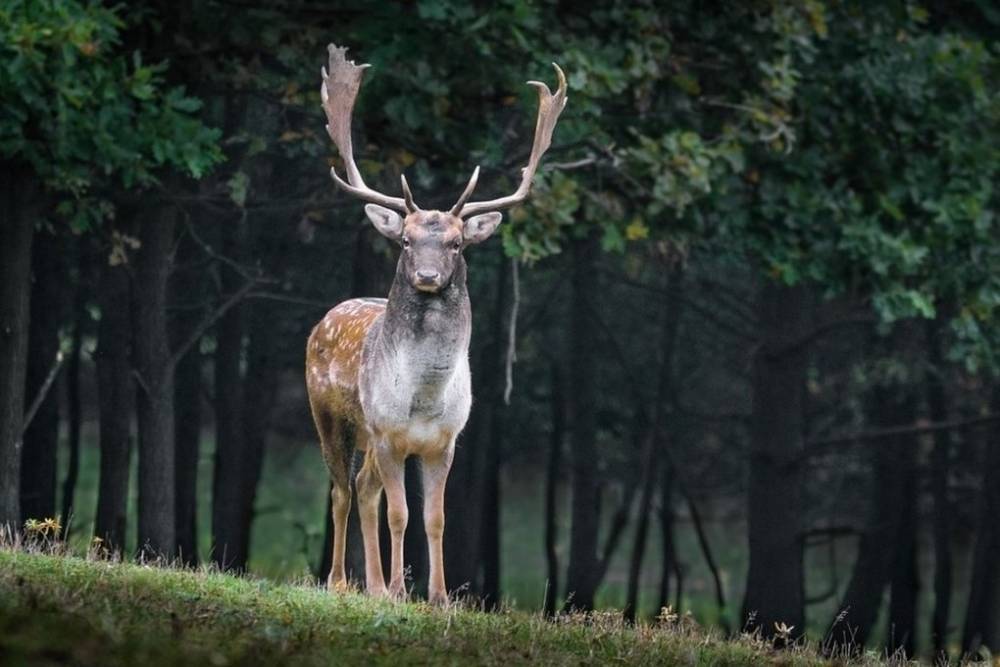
x=662, y=410
x=245, y=404
x=492, y=388
x=887, y=542
x=259, y=394
x=775, y=587
x=669, y=563
x=706, y=552
x=648, y=463
x=552, y=490
x=582, y=404
x=74, y=404
x=41, y=438
x=490, y=531
x=982, y=619
x=116, y=403
x=187, y=434
x=157, y=521
x=187, y=405
x=227, y=537
x=905, y=579
x=17, y=227
x=937, y=403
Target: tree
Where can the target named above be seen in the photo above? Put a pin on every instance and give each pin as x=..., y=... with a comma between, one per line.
x=16, y=234
x=38, y=464
x=154, y=368
x=79, y=113
x=116, y=397
x=775, y=586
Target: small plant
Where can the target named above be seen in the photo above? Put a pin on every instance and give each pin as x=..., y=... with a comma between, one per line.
x=667, y=616
x=43, y=533
x=783, y=632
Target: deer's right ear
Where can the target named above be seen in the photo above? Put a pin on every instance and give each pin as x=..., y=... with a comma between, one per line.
x=479, y=227
x=386, y=221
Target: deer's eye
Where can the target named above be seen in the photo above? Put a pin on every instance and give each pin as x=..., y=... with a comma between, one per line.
x=406, y=242
x=457, y=245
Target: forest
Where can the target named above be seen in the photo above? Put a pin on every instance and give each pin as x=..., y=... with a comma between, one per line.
x=738, y=356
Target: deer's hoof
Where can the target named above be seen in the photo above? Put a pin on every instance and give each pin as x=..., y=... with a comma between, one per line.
x=397, y=591
x=378, y=591
x=337, y=585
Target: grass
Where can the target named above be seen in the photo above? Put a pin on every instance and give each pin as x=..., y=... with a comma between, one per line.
x=60, y=609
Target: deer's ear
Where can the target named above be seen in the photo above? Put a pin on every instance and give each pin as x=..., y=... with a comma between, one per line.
x=386, y=221
x=478, y=228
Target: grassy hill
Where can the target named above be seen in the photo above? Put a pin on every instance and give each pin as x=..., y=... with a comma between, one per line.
x=69, y=610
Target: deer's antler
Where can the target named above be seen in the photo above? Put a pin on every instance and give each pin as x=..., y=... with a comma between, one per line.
x=339, y=92
x=549, y=107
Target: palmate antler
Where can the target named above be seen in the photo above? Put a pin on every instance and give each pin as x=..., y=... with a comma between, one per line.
x=339, y=92
x=549, y=108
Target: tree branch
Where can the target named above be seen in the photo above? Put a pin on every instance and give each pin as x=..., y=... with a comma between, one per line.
x=42, y=392
x=816, y=447
x=210, y=319
x=291, y=300
x=512, y=333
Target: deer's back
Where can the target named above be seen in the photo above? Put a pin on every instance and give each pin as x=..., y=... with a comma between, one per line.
x=333, y=356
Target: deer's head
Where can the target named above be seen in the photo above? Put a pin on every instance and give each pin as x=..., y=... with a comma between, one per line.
x=432, y=241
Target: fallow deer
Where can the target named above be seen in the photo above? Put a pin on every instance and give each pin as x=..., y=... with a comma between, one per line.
x=395, y=372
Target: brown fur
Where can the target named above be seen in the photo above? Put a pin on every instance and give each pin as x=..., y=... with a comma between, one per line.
x=333, y=358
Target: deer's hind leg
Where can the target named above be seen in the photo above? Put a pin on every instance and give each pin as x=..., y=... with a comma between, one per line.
x=337, y=450
x=369, y=485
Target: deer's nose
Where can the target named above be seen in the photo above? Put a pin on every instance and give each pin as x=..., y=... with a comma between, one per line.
x=427, y=277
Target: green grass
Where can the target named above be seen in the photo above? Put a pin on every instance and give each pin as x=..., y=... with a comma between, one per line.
x=57, y=609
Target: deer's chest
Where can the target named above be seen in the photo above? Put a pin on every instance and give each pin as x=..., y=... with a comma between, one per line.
x=417, y=390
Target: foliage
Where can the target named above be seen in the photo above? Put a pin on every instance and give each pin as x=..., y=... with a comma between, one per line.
x=888, y=193
x=80, y=111
x=848, y=146
x=843, y=145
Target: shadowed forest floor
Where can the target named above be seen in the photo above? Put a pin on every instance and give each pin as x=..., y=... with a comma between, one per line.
x=68, y=610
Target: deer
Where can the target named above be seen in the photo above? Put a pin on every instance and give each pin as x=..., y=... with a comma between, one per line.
x=394, y=372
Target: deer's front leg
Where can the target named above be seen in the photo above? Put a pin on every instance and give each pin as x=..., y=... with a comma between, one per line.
x=392, y=470
x=435, y=475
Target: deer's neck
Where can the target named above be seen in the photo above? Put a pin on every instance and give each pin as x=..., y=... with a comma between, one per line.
x=438, y=322
x=417, y=368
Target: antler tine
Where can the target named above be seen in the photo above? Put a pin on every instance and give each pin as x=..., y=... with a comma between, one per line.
x=339, y=92
x=408, y=196
x=456, y=210
x=549, y=107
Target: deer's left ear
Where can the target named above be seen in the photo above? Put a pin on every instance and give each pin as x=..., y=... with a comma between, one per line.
x=478, y=228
